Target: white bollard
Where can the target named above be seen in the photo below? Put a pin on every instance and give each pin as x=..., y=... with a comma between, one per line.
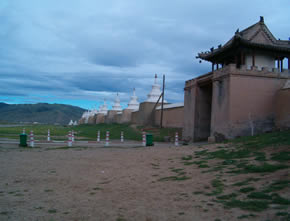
x=23, y=131
x=176, y=139
x=98, y=136
x=122, y=137
x=143, y=138
x=72, y=136
x=31, y=139
x=48, y=135
x=69, y=143
x=107, y=138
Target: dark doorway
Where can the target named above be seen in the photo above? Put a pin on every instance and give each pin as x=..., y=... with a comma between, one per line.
x=203, y=112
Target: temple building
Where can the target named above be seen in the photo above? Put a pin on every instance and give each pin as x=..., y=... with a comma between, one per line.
x=237, y=97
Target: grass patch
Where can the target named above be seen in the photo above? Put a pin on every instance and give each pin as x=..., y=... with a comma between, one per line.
x=280, y=138
x=277, y=185
x=277, y=199
x=251, y=205
x=246, y=216
x=247, y=189
x=227, y=197
x=174, y=178
x=283, y=156
x=259, y=195
x=188, y=157
x=264, y=168
x=52, y=211
x=246, y=182
x=218, y=187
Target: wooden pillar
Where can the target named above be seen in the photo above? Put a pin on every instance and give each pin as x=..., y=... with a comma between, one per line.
x=212, y=67
x=217, y=66
x=278, y=62
x=288, y=63
x=253, y=59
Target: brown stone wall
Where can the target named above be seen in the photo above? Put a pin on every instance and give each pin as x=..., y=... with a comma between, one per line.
x=100, y=119
x=134, y=117
x=110, y=116
x=172, y=117
x=92, y=120
x=126, y=116
x=220, y=121
x=282, y=109
x=252, y=100
x=117, y=118
x=189, y=109
x=145, y=115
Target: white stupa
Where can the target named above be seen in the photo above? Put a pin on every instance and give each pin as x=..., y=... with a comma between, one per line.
x=75, y=123
x=71, y=123
x=117, y=106
x=104, y=108
x=133, y=104
x=155, y=92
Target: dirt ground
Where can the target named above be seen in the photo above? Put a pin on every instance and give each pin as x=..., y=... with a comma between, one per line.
x=101, y=183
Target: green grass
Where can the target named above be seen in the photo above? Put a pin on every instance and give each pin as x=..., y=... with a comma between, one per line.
x=86, y=131
x=227, y=197
x=247, y=189
x=246, y=182
x=259, y=195
x=251, y=205
x=280, y=138
x=264, y=168
x=174, y=178
x=283, y=156
x=218, y=186
x=277, y=185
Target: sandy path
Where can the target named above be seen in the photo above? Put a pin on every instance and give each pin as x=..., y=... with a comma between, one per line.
x=103, y=184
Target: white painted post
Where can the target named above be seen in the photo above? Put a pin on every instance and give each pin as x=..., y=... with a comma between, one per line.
x=31, y=139
x=23, y=131
x=107, y=138
x=48, y=135
x=176, y=139
x=143, y=138
x=122, y=137
x=69, y=143
x=98, y=136
x=72, y=136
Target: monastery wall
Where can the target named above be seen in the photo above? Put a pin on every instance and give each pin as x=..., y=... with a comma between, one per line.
x=282, y=109
x=126, y=116
x=172, y=117
x=110, y=116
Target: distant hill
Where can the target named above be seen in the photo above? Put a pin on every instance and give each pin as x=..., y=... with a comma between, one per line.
x=41, y=113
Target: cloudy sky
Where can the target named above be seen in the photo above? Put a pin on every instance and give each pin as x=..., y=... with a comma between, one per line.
x=80, y=52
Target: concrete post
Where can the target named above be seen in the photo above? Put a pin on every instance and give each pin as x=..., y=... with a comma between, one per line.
x=176, y=139
x=48, y=135
x=107, y=138
x=31, y=139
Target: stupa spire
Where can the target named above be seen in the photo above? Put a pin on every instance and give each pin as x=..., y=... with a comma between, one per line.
x=133, y=103
x=155, y=92
x=117, y=106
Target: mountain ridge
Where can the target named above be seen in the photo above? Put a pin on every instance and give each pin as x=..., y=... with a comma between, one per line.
x=41, y=113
